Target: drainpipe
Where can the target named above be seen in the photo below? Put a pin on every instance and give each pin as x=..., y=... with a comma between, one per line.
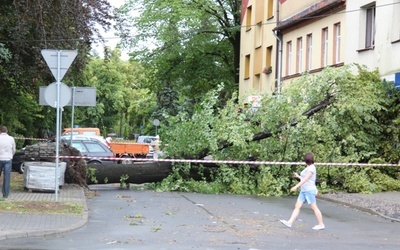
x=278, y=37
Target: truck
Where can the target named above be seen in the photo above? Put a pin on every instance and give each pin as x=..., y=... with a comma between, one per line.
x=128, y=150
x=81, y=131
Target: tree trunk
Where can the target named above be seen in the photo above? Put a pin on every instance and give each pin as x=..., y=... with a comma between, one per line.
x=136, y=173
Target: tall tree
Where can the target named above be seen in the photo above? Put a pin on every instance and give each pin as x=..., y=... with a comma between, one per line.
x=123, y=102
x=26, y=28
x=192, y=44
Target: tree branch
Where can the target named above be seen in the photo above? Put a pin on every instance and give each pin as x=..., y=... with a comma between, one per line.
x=266, y=134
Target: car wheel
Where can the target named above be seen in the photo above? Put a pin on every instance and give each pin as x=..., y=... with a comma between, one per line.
x=126, y=159
x=94, y=162
x=21, y=168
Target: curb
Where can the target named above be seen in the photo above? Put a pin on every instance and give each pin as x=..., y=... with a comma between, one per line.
x=37, y=233
x=367, y=210
x=82, y=219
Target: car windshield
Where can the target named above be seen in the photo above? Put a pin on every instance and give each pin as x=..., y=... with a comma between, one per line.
x=79, y=146
x=148, y=140
x=92, y=147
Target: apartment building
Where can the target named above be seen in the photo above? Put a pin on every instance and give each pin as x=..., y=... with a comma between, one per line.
x=258, y=47
x=373, y=36
x=289, y=37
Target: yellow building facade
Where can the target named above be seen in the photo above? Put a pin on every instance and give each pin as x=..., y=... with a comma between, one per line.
x=281, y=39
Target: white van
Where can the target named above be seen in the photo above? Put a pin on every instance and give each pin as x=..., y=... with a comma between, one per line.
x=146, y=139
x=150, y=140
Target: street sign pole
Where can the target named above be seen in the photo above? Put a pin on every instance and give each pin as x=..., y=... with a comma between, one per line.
x=58, y=122
x=156, y=122
x=64, y=59
x=73, y=89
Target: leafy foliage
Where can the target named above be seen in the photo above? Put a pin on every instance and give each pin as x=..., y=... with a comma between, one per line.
x=193, y=45
x=26, y=28
x=123, y=103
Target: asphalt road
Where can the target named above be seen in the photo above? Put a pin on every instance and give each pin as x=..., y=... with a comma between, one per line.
x=129, y=219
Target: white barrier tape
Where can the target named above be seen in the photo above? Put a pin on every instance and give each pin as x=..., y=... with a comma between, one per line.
x=44, y=139
x=241, y=162
x=85, y=157
x=35, y=139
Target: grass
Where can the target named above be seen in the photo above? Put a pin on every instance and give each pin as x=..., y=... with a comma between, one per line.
x=17, y=182
x=52, y=207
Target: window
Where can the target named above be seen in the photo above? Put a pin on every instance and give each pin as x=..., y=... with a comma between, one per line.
x=370, y=27
x=299, y=54
x=257, y=83
x=395, y=23
x=309, y=52
x=324, y=52
x=95, y=148
x=247, y=67
x=248, y=17
x=336, y=52
x=268, y=60
x=79, y=146
x=289, y=58
x=258, y=35
x=270, y=9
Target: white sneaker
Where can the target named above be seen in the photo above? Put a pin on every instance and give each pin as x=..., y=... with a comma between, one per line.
x=318, y=227
x=286, y=223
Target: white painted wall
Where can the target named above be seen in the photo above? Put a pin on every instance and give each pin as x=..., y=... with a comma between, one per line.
x=386, y=54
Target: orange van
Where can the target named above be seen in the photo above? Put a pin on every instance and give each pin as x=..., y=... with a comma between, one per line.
x=81, y=131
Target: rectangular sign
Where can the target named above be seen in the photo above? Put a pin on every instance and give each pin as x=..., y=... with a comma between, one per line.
x=397, y=80
x=84, y=96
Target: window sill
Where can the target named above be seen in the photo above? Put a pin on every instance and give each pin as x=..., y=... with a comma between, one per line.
x=396, y=41
x=366, y=49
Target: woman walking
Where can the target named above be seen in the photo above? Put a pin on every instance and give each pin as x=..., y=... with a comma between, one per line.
x=307, y=193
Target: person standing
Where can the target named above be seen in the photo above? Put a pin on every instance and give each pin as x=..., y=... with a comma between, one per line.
x=7, y=151
x=156, y=147
x=307, y=193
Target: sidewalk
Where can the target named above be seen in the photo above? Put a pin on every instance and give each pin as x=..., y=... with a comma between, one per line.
x=15, y=225
x=384, y=204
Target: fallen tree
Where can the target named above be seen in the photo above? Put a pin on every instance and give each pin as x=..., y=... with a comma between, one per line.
x=266, y=134
x=137, y=173
x=333, y=110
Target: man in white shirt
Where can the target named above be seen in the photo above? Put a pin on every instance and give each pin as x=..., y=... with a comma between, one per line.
x=7, y=151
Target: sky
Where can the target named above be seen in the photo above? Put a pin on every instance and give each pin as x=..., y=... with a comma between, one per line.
x=111, y=40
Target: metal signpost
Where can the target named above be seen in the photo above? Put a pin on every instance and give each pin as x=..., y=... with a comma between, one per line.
x=59, y=62
x=156, y=123
x=80, y=96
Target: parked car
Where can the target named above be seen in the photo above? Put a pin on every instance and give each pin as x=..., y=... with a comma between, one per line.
x=95, y=152
x=151, y=141
x=146, y=139
x=87, y=137
x=18, y=164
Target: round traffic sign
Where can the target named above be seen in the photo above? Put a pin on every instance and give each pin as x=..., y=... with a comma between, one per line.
x=156, y=122
x=50, y=94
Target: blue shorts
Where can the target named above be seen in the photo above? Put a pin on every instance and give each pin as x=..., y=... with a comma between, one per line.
x=308, y=196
